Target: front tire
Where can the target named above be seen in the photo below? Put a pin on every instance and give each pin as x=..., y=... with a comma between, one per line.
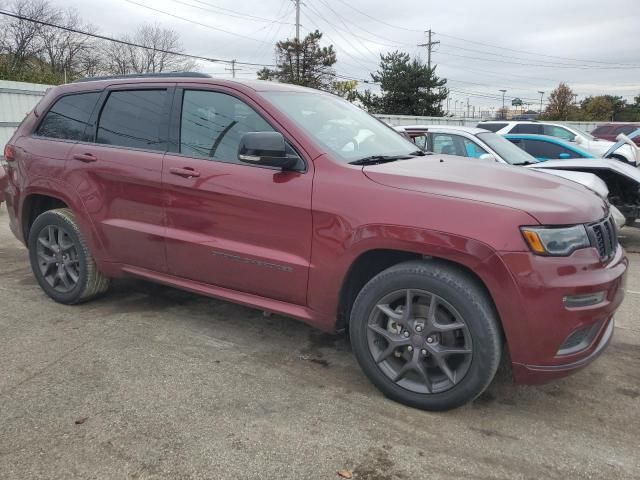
x=426, y=334
x=61, y=261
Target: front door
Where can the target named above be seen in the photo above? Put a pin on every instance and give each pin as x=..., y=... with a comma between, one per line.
x=231, y=224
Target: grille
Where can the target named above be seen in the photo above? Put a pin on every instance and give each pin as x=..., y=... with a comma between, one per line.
x=604, y=237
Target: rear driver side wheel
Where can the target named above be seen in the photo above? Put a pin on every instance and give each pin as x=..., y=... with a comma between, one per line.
x=426, y=334
x=61, y=261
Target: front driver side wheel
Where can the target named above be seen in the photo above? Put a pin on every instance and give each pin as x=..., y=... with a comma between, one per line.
x=426, y=334
x=61, y=261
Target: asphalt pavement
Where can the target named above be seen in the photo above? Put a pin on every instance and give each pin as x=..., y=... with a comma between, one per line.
x=151, y=382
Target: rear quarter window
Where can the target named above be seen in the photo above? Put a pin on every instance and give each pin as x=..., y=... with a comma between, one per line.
x=69, y=116
x=530, y=128
x=492, y=127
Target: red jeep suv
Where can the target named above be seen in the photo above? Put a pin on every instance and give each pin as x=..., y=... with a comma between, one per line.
x=295, y=201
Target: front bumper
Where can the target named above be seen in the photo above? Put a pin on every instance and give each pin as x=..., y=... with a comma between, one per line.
x=541, y=339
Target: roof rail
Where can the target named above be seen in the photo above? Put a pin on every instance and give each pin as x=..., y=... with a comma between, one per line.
x=146, y=75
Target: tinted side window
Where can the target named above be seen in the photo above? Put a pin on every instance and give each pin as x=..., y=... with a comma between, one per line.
x=212, y=125
x=69, y=117
x=527, y=128
x=602, y=130
x=548, y=150
x=558, y=132
x=134, y=119
x=492, y=127
x=627, y=129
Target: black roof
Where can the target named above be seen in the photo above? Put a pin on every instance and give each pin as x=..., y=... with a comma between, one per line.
x=147, y=75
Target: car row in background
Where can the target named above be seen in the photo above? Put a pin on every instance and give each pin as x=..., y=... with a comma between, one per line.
x=588, y=142
x=621, y=181
x=611, y=131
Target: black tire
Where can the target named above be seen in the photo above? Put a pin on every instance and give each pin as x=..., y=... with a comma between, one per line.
x=84, y=282
x=461, y=294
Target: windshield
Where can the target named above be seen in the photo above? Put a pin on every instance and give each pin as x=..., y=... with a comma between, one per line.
x=584, y=134
x=509, y=152
x=348, y=132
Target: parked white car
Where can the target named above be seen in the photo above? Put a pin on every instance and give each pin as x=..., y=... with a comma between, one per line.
x=588, y=142
x=484, y=145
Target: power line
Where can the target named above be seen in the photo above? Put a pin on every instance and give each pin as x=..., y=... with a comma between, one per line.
x=125, y=42
x=546, y=63
x=534, y=64
x=344, y=20
x=194, y=21
x=234, y=13
x=533, y=53
x=378, y=20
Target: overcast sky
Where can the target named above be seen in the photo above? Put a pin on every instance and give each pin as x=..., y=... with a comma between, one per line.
x=485, y=45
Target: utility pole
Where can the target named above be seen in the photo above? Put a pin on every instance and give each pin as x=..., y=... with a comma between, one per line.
x=468, y=107
x=503, y=112
x=429, y=45
x=233, y=68
x=297, y=4
x=541, y=96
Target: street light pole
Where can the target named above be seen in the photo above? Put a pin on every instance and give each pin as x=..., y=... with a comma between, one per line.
x=541, y=96
x=503, y=112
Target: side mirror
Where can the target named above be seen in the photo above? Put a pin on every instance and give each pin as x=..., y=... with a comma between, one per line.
x=564, y=156
x=577, y=139
x=488, y=157
x=266, y=149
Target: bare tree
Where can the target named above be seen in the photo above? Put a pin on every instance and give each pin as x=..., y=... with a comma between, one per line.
x=68, y=53
x=21, y=39
x=122, y=59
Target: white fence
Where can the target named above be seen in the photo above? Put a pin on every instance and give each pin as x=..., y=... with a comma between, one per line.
x=16, y=100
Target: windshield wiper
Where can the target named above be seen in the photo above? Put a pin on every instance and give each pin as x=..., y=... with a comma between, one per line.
x=526, y=162
x=375, y=159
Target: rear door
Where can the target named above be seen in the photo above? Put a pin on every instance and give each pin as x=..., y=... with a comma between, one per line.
x=119, y=173
x=231, y=224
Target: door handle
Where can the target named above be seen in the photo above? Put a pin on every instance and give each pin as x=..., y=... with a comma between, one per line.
x=186, y=172
x=85, y=157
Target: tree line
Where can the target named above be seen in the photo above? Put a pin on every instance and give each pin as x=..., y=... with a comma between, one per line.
x=562, y=106
x=36, y=52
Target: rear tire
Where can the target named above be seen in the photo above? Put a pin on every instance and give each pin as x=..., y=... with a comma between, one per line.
x=61, y=261
x=439, y=354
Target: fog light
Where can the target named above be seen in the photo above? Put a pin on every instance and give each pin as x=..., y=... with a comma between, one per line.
x=586, y=300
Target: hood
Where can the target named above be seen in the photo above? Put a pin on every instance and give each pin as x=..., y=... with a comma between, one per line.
x=593, y=164
x=549, y=199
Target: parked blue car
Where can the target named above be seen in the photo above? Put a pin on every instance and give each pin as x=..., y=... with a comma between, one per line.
x=544, y=147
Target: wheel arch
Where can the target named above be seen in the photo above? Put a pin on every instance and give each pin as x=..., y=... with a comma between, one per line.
x=371, y=262
x=40, y=197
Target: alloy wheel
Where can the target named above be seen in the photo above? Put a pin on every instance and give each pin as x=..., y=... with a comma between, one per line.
x=419, y=341
x=58, y=258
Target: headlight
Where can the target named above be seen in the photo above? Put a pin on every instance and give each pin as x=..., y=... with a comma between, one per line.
x=557, y=242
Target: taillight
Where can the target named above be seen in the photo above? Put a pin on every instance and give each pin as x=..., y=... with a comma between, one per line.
x=9, y=153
